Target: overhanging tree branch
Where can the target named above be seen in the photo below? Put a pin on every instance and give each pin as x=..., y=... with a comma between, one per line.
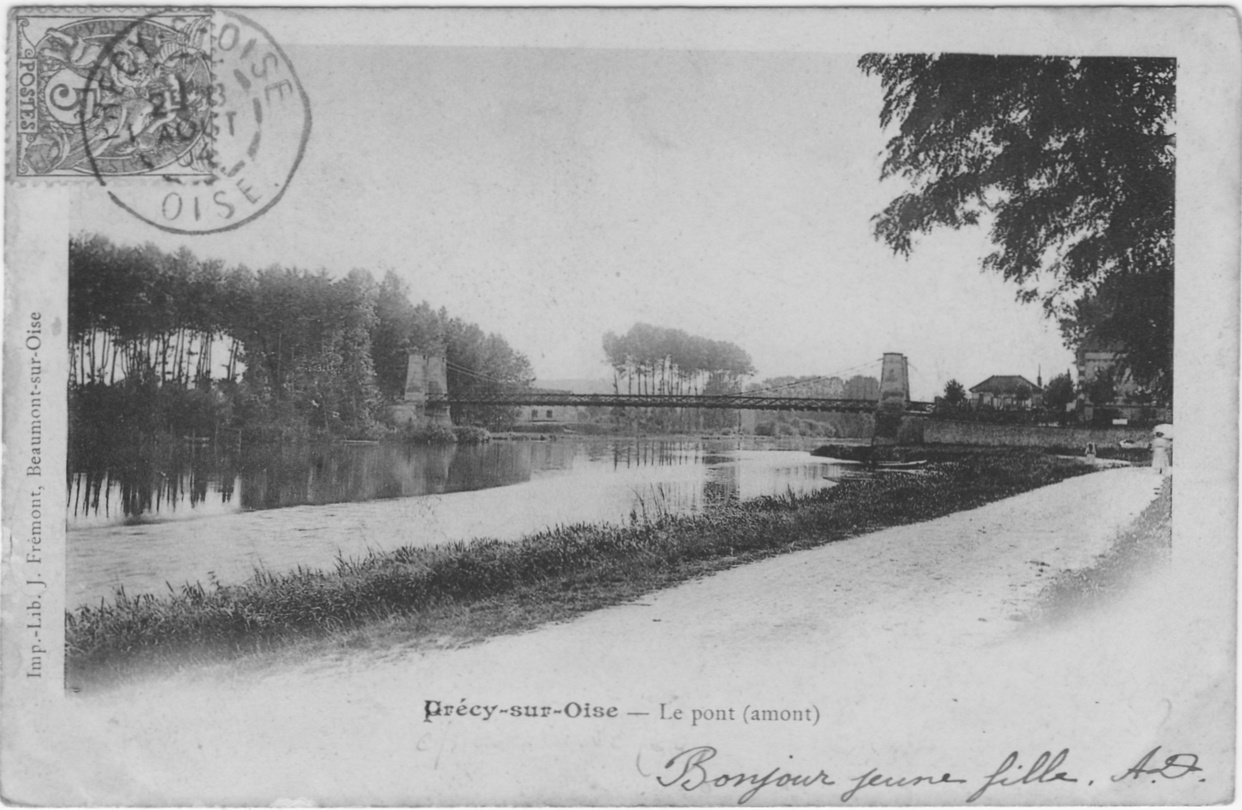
x=1072, y=162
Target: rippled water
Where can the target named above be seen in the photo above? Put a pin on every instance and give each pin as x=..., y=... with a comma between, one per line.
x=210, y=514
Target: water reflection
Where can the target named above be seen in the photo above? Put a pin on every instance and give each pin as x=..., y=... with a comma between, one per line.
x=150, y=483
x=199, y=481
x=657, y=453
x=199, y=512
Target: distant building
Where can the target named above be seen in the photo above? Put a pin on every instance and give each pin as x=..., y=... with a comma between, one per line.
x=1007, y=392
x=548, y=414
x=861, y=387
x=1095, y=357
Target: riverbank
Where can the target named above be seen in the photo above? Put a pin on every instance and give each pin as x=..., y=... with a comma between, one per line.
x=461, y=592
x=867, y=453
x=919, y=644
x=306, y=506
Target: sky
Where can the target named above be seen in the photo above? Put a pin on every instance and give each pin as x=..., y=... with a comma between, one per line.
x=554, y=194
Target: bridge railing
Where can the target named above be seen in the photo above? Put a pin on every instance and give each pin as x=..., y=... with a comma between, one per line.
x=717, y=401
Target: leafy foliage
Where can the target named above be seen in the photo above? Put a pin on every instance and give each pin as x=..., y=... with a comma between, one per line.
x=1100, y=389
x=1059, y=393
x=954, y=392
x=481, y=362
x=1070, y=161
x=857, y=387
x=188, y=346
x=658, y=360
x=478, y=362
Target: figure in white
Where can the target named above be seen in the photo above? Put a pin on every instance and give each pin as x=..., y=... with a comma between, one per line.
x=1161, y=447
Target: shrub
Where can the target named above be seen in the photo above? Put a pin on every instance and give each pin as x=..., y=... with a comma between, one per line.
x=472, y=434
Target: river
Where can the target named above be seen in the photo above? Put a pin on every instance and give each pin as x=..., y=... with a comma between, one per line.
x=202, y=514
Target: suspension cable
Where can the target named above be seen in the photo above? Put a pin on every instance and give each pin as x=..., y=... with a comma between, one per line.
x=812, y=380
x=460, y=369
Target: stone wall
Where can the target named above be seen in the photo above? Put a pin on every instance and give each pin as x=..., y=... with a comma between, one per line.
x=941, y=431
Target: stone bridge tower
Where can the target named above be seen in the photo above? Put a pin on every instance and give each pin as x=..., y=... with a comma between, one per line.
x=425, y=375
x=894, y=382
x=894, y=397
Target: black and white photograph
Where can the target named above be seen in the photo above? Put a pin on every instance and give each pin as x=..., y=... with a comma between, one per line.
x=620, y=406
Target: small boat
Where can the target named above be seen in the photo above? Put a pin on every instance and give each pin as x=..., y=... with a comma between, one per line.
x=901, y=465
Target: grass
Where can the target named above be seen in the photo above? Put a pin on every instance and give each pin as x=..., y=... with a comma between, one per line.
x=460, y=592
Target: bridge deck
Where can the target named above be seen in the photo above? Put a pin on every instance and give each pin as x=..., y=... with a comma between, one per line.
x=723, y=401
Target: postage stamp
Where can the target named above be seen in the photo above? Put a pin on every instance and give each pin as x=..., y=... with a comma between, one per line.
x=111, y=95
x=192, y=121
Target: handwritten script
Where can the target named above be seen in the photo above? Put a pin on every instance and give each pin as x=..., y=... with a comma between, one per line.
x=693, y=769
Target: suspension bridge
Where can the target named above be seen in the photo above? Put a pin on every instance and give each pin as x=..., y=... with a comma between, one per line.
x=756, y=402
x=428, y=398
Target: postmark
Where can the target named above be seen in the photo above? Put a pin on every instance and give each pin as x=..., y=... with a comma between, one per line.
x=192, y=121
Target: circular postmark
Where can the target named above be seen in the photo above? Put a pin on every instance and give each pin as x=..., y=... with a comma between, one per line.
x=198, y=123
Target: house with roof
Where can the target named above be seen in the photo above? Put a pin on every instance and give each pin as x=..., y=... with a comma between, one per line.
x=1007, y=392
x=1096, y=358
x=1118, y=396
x=549, y=414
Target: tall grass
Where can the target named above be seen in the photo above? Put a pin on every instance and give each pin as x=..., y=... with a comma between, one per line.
x=600, y=563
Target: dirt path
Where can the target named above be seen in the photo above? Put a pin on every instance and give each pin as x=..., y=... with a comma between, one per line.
x=904, y=650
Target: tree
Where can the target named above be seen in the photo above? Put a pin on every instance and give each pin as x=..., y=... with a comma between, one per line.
x=303, y=353
x=391, y=336
x=954, y=393
x=1131, y=312
x=1100, y=389
x=482, y=363
x=1059, y=393
x=1070, y=161
x=862, y=387
x=659, y=360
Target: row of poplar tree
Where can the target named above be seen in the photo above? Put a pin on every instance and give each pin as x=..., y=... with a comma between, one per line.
x=188, y=345
x=658, y=360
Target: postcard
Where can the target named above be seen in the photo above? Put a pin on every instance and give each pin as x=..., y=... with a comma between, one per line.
x=620, y=406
